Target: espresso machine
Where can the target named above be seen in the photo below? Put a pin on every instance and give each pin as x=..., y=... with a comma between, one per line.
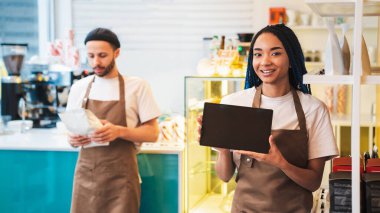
x=33, y=91
x=11, y=85
x=45, y=93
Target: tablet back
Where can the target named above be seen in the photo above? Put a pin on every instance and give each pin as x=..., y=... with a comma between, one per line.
x=236, y=127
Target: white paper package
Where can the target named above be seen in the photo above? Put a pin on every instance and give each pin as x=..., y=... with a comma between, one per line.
x=82, y=122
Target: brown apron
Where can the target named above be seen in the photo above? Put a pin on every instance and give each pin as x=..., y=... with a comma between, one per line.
x=106, y=177
x=265, y=188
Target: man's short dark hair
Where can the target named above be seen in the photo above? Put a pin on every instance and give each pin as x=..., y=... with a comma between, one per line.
x=103, y=34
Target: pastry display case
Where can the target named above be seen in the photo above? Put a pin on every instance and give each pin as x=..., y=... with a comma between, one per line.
x=204, y=191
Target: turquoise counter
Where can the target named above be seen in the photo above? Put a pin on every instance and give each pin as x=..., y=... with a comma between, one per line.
x=41, y=181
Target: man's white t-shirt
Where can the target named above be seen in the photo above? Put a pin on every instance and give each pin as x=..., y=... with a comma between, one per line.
x=318, y=124
x=140, y=104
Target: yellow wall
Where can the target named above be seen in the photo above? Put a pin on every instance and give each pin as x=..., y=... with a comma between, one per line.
x=368, y=98
x=345, y=146
x=377, y=139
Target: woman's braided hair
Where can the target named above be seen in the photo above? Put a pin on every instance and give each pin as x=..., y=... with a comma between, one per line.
x=294, y=52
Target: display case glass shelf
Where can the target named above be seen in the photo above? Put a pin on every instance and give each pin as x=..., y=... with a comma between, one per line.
x=357, y=9
x=204, y=191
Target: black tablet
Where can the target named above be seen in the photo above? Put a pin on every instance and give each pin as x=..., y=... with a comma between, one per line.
x=236, y=127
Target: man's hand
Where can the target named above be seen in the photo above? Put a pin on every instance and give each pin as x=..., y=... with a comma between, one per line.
x=78, y=140
x=274, y=157
x=107, y=133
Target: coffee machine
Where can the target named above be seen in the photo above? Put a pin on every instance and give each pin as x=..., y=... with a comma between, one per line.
x=11, y=85
x=45, y=93
x=36, y=93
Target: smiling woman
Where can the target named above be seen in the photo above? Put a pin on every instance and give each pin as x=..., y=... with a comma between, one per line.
x=271, y=63
x=282, y=180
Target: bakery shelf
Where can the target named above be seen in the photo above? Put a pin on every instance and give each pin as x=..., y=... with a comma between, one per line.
x=324, y=28
x=343, y=7
x=366, y=120
x=327, y=79
x=371, y=79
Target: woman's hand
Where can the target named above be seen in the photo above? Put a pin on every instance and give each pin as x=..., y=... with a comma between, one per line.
x=274, y=157
x=78, y=140
x=107, y=133
x=199, y=120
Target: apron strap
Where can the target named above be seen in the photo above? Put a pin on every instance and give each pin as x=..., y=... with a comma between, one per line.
x=121, y=89
x=297, y=104
x=257, y=98
x=85, y=99
x=122, y=98
x=299, y=111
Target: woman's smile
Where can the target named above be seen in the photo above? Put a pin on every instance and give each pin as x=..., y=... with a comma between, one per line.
x=267, y=72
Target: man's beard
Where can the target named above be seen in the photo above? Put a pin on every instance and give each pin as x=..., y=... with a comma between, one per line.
x=106, y=70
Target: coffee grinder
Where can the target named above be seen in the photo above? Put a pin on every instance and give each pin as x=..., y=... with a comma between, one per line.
x=11, y=85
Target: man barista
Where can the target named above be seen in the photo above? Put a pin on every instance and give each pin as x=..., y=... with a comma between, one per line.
x=106, y=177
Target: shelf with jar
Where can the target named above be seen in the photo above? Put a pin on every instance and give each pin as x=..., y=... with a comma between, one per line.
x=337, y=66
x=338, y=100
x=341, y=79
x=204, y=191
x=361, y=73
x=328, y=8
x=318, y=24
x=314, y=76
x=224, y=63
x=225, y=57
x=306, y=21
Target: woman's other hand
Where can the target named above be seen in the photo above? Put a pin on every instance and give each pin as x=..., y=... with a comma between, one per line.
x=274, y=157
x=199, y=121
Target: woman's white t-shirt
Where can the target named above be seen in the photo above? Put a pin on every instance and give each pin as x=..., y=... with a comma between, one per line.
x=321, y=137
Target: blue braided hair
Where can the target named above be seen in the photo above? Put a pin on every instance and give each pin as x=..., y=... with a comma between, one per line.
x=294, y=52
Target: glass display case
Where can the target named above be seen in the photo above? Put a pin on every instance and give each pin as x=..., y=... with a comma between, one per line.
x=204, y=191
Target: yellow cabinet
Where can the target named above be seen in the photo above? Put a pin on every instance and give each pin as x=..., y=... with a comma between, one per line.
x=204, y=191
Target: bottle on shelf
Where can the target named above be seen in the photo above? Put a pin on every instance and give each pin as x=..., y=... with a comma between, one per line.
x=222, y=42
x=366, y=157
x=375, y=152
x=366, y=64
x=334, y=59
x=345, y=50
x=309, y=56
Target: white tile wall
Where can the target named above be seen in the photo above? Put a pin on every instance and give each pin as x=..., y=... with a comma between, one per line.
x=162, y=39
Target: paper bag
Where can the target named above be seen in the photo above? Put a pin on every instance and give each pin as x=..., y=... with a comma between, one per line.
x=82, y=122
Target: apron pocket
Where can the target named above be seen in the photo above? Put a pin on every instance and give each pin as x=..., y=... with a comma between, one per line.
x=83, y=179
x=111, y=180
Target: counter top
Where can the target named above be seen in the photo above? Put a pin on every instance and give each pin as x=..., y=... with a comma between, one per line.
x=55, y=140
